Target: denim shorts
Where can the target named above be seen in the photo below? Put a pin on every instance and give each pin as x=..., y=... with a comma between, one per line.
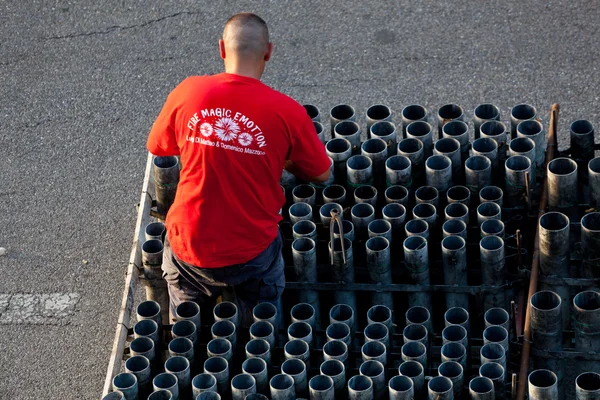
x=258, y=280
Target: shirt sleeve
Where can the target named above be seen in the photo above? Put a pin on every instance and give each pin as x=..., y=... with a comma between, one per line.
x=307, y=151
x=162, y=140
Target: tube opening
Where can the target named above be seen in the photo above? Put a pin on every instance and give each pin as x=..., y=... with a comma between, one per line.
x=165, y=380
x=155, y=229
x=496, y=316
x=293, y=366
x=303, y=245
x=300, y=210
x=338, y=247
x=378, y=112
x=489, y=209
x=530, y=128
x=303, y=191
x=299, y=330
x=518, y=163
x=542, y=378
x=258, y=347
x=415, y=242
x=591, y=222
x=453, y=350
x=264, y=311
x=362, y=210
x=492, y=351
x=491, y=243
x=183, y=328
x=219, y=346
x=554, y=221
x=454, y=226
x=485, y=145
x=124, y=380
x=225, y=309
x=487, y=111
x=456, y=128
x=490, y=193
x=137, y=363
x=338, y=331
x=454, y=333
x=440, y=384
x=152, y=246
x=334, y=192
x=491, y=370
x=302, y=311
x=398, y=163
x=320, y=382
x=141, y=345
x=254, y=365
x=318, y=127
x=401, y=383
x=161, y=394
x=495, y=333
x=424, y=210
x=396, y=193
x=243, y=381
x=304, y=227
x=478, y=163
x=338, y=145
x=188, y=309
x=447, y=145
x=223, y=328
x=365, y=192
x=457, y=210
x=415, y=332
x=418, y=128
x=450, y=369
x=562, y=166
x=326, y=209
x=522, y=145
x=450, y=111
x=215, y=365
x=456, y=316
x=282, y=382
x=332, y=367
x=410, y=146
x=180, y=345
x=145, y=327
x=360, y=383
x=311, y=110
x=492, y=226
x=382, y=128
x=371, y=368
x=588, y=300
x=374, y=146
x=438, y=163
x=342, y=111
x=341, y=312
x=347, y=226
x=414, y=112
x=582, y=127
x=393, y=210
x=379, y=227
x=205, y=381
x=453, y=243
x=378, y=243
x=358, y=163
x=426, y=193
x=523, y=111
x=376, y=331
x=417, y=315
x=373, y=349
x=594, y=165
x=335, y=348
x=589, y=381
x=346, y=128
x=261, y=329
x=411, y=369
x=481, y=385
x=492, y=128
x=458, y=193
x=166, y=162
x=177, y=364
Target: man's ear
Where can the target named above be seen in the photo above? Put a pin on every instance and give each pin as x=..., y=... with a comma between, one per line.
x=269, y=51
x=222, y=48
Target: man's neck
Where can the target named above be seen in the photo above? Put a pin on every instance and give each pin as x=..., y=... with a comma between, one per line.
x=245, y=70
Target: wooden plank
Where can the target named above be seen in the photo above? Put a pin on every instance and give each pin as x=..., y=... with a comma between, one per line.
x=131, y=281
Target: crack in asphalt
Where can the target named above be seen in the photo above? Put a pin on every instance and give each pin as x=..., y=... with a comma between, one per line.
x=114, y=28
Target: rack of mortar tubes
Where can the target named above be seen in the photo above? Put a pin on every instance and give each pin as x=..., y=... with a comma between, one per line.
x=398, y=284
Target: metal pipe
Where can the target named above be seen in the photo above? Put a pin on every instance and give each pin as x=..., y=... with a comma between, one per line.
x=457, y=211
x=455, y=334
x=493, y=352
x=386, y=131
x=321, y=388
x=282, y=387
x=341, y=112
x=180, y=367
x=380, y=314
x=362, y=214
x=426, y=212
x=594, y=181
x=438, y=172
x=156, y=287
x=543, y=385
x=518, y=114
x=587, y=321
x=359, y=171
x=481, y=388
x=335, y=370
x=139, y=366
x=339, y=150
x=365, y=194
x=154, y=230
x=348, y=130
x=488, y=148
x=457, y=316
x=398, y=171
x=298, y=349
x=478, y=173
x=590, y=244
x=582, y=140
x=494, y=372
x=305, y=229
x=119, y=396
x=375, y=371
x=422, y=131
x=401, y=388
x=374, y=350
x=149, y=309
x=440, y=388
x=517, y=170
x=303, y=312
x=454, y=227
x=182, y=347
x=158, y=395
x=326, y=209
x=493, y=268
x=242, y=385
x=491, y=194
x=427, y=194
x=454, y=261
x=454, y=351
x=360, y=387
x=267, y=312
x=304, y=194
x=263, y=330
x=395, y=214
x=312, y=111
x=415, y=351
x=320, y=131
x=555, y=254
x=220, y=348
x=414, y=370
x=259, y=348
x=459, y=194
x=562, y=185
x=496, y=131
x=496, y=334
x=203, y=383
x=448, y=113
x=342, y=261
x=211, y=396
x=296, y=369
x=376, y=113
x=413, y=149
x=416, y=260
x=497, y=316
x=188, y=311
x=334, y=194
x=257, y=367
x=185, y=329
x=379, y=262
x=492, y=227
x=166, y=179
x=302, y=331
x=378, y=332
x=343, y=313
x=300, y=212
x=417, y=227
x=482, y=114
x=454, y=371
x=348, y=228
x=225, y=330
x=144, y=346
x=166, y=381
x=412, y=113
x=458, y=130
x=146, y=328
x=377, y=150
x=524, y=146
x=336, y=350
x=396, y=194
x=420, y=315
x=587, y=386
x=450, y=148
x=219, y=368
x=534, y=130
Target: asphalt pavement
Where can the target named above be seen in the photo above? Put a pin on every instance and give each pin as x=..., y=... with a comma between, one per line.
x=81, y=84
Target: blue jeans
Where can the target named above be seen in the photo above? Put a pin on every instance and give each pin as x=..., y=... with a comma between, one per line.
x=258, y=280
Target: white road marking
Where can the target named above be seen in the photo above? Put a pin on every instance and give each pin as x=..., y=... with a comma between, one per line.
x=37, y=308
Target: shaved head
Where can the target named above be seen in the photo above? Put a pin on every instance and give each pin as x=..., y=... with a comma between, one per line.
x=246, y=36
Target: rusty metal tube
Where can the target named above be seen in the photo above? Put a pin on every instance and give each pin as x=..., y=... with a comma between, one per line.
x=341, y=112
x=154, y=230
x=336, y=350
x=478, y=174
x=300, y=212
x=457, y=211
x=374, y=350
x=395, y=214
x=302, y=331
x=362, y=214
x=242, y=385
x=458, y=130
x=454, y=227
x=298, y=349
x=335, y=370
x=304, y=229
x=492, y=227
x=488, y=148
x=454, y=351
x=360, y=387
x=495, y=372
x=377, y=150
x=180, y=367
x=166, y=381
x=416, y=351
x=321, y=387
x=334, y=194
x=365, y=194
x=282, y=387
x=263, y=330
x=259, y=348
x=375, y=371
x=417, y=227
x=491, y=193
x=450, y=148
x=415, y=333
x=398, y=171
x=219, y=368
x=487, y=211
x=339, y=150
x=427, y=194
x=587, y=321
x=457, y=316
x=419, y=315
x=396, y=194
x=348, y=130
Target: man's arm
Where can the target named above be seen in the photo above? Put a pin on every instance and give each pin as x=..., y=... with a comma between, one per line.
x=292, y=168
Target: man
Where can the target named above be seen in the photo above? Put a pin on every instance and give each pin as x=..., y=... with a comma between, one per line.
x=234, y=136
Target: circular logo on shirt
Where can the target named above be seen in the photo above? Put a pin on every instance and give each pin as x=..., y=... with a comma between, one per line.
x=227, y=129
x=206, y=129
x=245, y=139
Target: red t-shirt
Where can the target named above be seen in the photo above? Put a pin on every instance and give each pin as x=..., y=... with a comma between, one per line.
x=233, y=134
